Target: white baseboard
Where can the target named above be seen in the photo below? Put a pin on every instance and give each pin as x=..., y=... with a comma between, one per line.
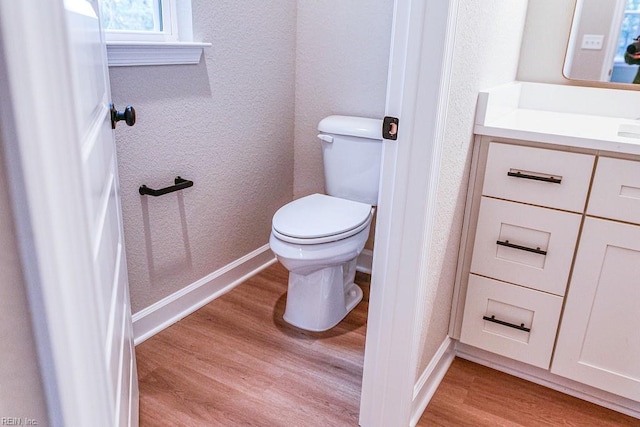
x=178, y=305
x=365, y=261
x=430, y=379
x=549, y=380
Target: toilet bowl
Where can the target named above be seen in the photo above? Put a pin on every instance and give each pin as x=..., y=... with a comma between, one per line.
x=318, y=238
x=321, y=258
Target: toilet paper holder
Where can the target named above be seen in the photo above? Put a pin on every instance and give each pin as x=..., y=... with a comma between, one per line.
x=180, y=184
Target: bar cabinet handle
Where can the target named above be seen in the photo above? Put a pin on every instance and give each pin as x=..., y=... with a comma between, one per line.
x=535, y=178
x=493, y=319
x=522, y=248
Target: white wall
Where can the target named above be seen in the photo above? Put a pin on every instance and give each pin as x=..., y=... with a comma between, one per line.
x=342, y=58
x=21, y=393
x=544, y=42
x=487, y=46
x=595, y=18
x=227, y=124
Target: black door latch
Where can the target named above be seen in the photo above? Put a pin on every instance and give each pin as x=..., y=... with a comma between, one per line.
x=390, y=128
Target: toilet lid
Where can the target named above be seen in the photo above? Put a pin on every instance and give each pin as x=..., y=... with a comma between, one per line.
x=318, y=215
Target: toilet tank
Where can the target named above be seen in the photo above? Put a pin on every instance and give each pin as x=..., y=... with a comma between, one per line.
x=352, y=151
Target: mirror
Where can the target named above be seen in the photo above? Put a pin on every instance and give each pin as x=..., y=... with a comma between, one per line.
x=604, y=45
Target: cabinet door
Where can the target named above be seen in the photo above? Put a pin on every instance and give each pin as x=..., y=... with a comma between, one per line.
x=599, y=341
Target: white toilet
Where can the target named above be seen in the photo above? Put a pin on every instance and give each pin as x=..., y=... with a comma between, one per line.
x=318, y=238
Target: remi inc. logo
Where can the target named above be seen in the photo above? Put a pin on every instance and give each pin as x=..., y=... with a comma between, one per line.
x=18, y=421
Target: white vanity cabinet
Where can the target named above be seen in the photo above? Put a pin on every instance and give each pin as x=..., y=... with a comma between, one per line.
x=548, y=279
x=599, y=339
x=552, y=230
x=528, y=223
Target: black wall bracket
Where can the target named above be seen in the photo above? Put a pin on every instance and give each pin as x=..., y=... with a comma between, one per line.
x=180, y=184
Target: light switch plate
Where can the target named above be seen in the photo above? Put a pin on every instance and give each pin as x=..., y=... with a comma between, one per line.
x=592, y=41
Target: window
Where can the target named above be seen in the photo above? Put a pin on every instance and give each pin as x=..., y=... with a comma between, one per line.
x=149, y=32
x=150, y=20
x=630, y=28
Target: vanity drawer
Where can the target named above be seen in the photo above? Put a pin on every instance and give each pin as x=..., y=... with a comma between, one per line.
x=538, y=176
x=616, y=190
x=509, y=320
x=526, y=245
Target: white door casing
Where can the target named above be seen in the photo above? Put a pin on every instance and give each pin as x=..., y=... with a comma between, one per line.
x=63, y=162
x=612, y=41
x=417, y=89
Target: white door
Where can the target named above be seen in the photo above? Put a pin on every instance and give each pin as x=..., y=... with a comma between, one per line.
x=72, y=240
x=599, y=343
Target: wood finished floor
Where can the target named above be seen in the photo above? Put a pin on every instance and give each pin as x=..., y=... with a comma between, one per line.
x=476, y=396
x=235, y=362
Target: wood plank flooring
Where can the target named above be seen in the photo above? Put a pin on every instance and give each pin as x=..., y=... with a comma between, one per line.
x=476, y=396
x=235, y=362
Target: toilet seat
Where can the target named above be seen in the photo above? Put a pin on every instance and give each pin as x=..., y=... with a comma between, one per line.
x=319, y=218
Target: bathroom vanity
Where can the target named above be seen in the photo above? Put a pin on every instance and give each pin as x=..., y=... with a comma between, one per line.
x=548, y=282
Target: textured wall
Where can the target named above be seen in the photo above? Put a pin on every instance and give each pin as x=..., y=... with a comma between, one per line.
x=226, y=124
x=596, y=18
x=544, y=42
x=487, y=45
x=21, y=393
x=342, y=59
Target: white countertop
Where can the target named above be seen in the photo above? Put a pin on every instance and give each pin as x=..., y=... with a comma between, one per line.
x=544, y=113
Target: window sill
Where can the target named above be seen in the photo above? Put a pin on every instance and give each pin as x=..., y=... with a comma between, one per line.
x=128, y=54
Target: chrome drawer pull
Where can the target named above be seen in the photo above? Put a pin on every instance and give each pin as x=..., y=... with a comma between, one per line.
x=522, y=248
x=502, y=322
x=535, y=178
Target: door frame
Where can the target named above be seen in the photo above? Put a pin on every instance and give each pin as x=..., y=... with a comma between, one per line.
x=44, y=162
x=417, y=91
x=611, y=41
x=46, y=157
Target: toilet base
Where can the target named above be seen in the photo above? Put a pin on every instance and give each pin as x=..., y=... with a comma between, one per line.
x=320, y=300
x=353, y=296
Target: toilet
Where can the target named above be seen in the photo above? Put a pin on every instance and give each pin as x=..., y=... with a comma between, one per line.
x=318, y=238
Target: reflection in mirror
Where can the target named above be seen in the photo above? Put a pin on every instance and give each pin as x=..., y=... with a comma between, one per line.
x=604, y=45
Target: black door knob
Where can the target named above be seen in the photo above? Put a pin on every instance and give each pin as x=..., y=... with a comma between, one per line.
x=128, y=115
